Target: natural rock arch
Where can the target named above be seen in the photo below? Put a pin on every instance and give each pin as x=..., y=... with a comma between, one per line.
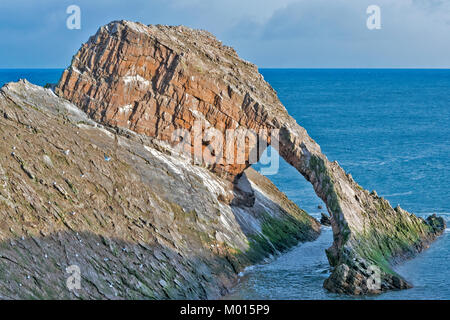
x=156, y=79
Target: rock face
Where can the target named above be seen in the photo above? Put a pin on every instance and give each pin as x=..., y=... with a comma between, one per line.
x=154, y=80
x=138, y=220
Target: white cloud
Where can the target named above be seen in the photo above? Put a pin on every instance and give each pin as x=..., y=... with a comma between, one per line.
x=323, y=33
x=286, y=33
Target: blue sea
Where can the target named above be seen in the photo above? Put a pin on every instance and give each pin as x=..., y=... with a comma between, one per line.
x=389, y=129
x=37, y=76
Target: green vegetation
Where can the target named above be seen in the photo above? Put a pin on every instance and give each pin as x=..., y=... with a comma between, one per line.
x=277, y=235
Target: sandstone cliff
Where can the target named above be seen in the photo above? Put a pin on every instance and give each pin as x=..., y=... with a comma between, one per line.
x=154, y=80
x=138, y=220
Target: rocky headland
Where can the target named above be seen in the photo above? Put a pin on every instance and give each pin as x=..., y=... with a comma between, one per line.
x=140, y=221
x=90, y=175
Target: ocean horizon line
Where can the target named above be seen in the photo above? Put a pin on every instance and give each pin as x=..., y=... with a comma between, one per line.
x=275, y=68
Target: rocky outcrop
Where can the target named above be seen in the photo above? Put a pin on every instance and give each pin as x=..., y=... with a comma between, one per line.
x=325, y=219
x=156, y=79
x=138, y=220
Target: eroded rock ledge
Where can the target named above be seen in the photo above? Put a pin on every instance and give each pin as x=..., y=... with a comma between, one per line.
x=156, y=79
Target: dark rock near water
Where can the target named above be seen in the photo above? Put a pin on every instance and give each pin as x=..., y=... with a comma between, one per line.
x=325, y=219
x=437, y=223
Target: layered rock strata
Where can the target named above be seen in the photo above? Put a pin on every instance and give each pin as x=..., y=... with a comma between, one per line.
x=155, y=80
x=137, y=220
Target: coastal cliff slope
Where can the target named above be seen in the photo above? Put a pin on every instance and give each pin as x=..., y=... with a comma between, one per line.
x=139, y=221
x=155, y=80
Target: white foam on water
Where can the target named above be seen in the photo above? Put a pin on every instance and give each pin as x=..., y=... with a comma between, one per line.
x=398, y=194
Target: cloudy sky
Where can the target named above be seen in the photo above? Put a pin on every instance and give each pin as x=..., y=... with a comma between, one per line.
x=270, y=33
